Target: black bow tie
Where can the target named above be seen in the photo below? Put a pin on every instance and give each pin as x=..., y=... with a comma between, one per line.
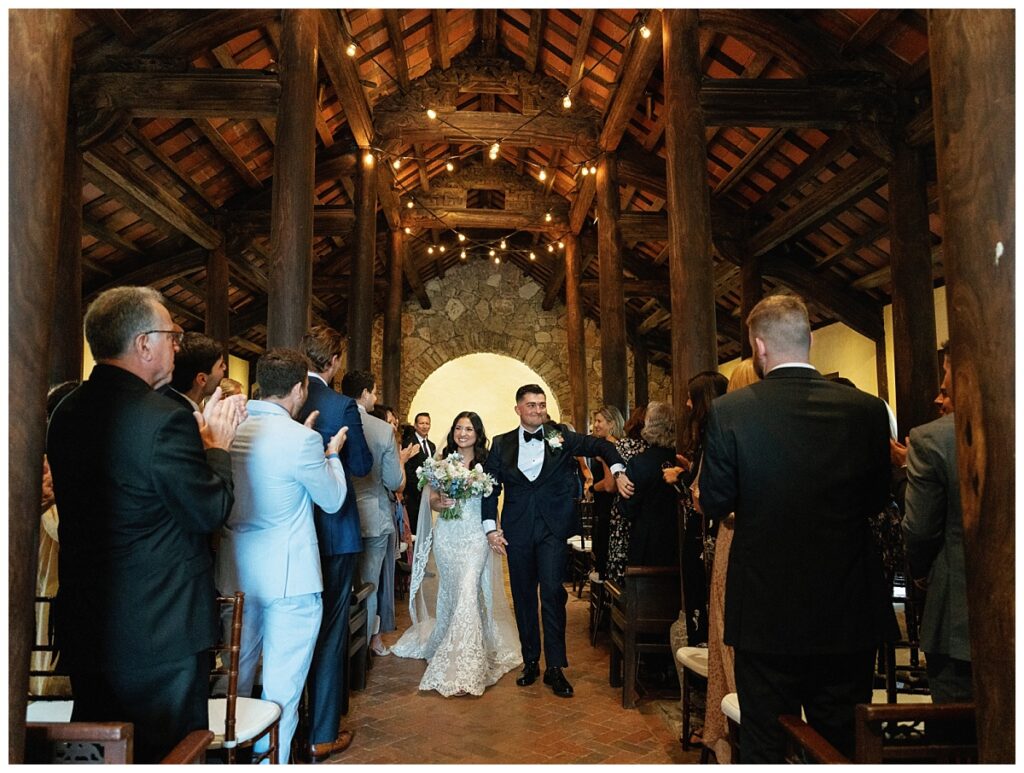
x=528, y=436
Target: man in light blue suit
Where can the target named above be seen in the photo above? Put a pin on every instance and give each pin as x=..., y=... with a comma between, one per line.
x=268, y=547
x=340, y=546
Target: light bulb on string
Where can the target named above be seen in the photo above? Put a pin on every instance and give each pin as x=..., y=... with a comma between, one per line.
x=533, y=256
x=593, y=169
x=547, y=217
x=645, y=32
x=584, y=171
x=431, y=113
x=396, y=163
x=368, y=158
x=492, y=253
x=495, y=150
x=351, y=49
x=502, y=245
x=463, y=255
x=542, y=175
x=450, y=166
x=567, y=101
x=551, y=248
x=441, y=249
x=430, y=250
x=561, y=245
x=462, y=237
x=408, y=230
x=497, y=261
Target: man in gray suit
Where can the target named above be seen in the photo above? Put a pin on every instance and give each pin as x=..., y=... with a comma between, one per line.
x=934, y=533
x=376, y=509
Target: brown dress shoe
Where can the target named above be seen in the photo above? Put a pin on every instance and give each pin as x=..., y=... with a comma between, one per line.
x=321, y=751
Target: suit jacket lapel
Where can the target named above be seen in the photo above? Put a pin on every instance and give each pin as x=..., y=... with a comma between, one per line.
x=510, y=453
x=549, y=456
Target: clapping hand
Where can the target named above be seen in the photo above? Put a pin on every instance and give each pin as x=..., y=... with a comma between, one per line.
x=220, y=418
x=336, y=443
x=408, y=452
x=310, y=421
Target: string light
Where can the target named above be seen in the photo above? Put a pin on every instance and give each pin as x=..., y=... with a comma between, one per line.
x=396, y=163
x=584, y=171
x=542, y=175
x=441, y=249
x=495, y=149
x=409, y=204
x=462, y=237
x=351, y=49
x=551, y=248
x=561, y=245
x=463, y=255
x=492, y=253
x=430, y=250
x=431, y=114
x=593, y=169
x=497, y=261
x=547, y=217
x=368, y=158
x=567, y=101
x=644, y=31
x=502, y=245
x=450, y=166
x=533, y=256
x=408, y=230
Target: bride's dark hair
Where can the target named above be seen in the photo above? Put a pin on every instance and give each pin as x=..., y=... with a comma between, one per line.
x=479, y=448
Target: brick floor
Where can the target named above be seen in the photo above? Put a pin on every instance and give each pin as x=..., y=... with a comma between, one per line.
x=509, y=724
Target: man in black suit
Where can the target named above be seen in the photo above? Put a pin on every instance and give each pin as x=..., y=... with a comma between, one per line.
x=140, y=487
x=340, y=546
x=421, y=425
x=803, y=462
x=536, y=464
x=198, y=369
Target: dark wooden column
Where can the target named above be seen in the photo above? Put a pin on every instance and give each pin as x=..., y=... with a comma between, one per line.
x=913, y=303
x=66, y=330
x=973, y=92
x=694, y=345
x=614, y=371
x=40, y=70
x=290, y=289
x=640, y=380
x=575, y=341
x=217, y=309
x=360, y=297
x=392, y=364
x=751, y=292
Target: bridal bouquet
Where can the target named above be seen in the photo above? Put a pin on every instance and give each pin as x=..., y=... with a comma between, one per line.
x=455, y=480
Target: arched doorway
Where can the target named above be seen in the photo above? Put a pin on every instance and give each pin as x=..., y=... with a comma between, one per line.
x=483, y=382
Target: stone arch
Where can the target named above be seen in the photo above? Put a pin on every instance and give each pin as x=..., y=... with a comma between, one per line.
x=486, y=341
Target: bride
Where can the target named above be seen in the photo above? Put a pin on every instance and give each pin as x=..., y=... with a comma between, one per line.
x=461, y=625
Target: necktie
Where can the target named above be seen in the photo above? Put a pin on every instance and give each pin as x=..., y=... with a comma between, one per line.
x=528, y=436
x=426, y=449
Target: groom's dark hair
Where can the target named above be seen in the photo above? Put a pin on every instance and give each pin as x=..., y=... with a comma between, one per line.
x=529, y=389
x=355, y=382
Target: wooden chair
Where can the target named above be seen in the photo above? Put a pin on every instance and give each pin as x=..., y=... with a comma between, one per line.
x=887, y=732
x=694, y=662
x=358, y=640
x=108, y=743
x=239, y=721
x=643, y=611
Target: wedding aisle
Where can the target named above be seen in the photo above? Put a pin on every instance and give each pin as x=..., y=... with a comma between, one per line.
x=395, y=723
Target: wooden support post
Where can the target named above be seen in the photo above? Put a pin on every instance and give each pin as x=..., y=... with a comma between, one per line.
x=973, y=98
x=640, y=380
x=291, y=229
x=217, y=308
x=575, y=341
x=66, y=330
x=751, y=292
x=40, y=71
x=392, y=363
x=913, y=305
x=360, y=297
x=614, y=381
x=694, y=343
x=882, y=372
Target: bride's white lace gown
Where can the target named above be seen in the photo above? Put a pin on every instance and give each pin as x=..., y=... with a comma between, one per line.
x=468, y=637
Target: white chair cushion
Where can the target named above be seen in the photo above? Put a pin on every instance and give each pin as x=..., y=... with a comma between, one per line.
x=252, y=717
x=693, y=659
x=731, y=702
x=49, y=711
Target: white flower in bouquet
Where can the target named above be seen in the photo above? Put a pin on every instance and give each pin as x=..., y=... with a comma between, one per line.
x=452, y=478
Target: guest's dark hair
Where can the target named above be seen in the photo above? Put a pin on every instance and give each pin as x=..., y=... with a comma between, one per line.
x=479, y=448
x=320, y=345
x=279, y=370
x=702, y=389
x=58, y=393
x=355, y=381
x=635, y=423
x=197, y=354
x=529, y=389
x=416, y=418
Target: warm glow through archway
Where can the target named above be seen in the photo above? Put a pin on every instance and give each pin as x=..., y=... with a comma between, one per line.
x=483, y=382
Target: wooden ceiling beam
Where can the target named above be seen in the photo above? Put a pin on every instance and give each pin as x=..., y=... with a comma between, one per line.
x=634, y=288
x=421, y=164
x=829, y=152
x=343, y=72
x=114, y=239
x=200, y=94
x=393, y=22
x=883, y=276
x=152, y=272
x=764, y=146
x=146, y=145
x=120, y=177
x=322, y=129
x=874, y=27
x=228, y=153
x=579, y=56
x=851, y=247
x=527, y=220
x=489, y=30
x=412, y=275
x=114, y=22
x=455, y=127
x=440, y=18
x=328, y=220
x=533, y=45
x=823, y=203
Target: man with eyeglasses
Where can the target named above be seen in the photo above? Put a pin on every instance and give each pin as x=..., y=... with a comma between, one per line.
x=198, y=369
x=140, y=483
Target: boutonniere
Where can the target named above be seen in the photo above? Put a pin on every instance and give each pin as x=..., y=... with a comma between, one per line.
x=554, y=440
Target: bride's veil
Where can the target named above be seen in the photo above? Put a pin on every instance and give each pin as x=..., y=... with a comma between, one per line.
x=423, y=593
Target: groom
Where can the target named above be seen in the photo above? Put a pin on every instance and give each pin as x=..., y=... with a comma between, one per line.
x=535, y=464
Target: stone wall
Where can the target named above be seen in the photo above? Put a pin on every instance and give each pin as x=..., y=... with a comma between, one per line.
x=483, y=307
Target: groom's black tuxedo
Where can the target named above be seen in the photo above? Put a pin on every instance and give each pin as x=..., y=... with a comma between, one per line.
x=537, y=517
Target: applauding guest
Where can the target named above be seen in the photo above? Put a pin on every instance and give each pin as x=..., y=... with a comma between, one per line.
x=268, y=548
x=139, y=488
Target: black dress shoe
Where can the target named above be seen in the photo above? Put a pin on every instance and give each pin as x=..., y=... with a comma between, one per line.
x=559, y=684
x=531, y=670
